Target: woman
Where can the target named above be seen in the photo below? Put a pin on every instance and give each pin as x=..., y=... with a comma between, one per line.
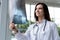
x=43, y=29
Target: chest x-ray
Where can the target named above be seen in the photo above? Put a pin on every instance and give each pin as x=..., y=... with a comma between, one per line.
x=19, y=12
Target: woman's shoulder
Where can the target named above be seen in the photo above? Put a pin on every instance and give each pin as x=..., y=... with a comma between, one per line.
x=51, y=23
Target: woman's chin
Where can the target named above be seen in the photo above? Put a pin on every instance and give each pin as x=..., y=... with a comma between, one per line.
x=38, y=16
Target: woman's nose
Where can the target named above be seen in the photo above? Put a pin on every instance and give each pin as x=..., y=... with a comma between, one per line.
x=37, y=10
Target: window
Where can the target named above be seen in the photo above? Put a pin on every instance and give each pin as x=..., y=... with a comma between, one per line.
x=54, y=14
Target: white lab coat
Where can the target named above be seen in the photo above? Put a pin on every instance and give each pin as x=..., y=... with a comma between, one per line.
x=50, y=32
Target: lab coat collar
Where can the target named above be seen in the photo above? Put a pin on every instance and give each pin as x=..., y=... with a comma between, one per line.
x=41, y=22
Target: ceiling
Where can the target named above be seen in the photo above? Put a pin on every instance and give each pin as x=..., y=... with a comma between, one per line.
x=55, y=3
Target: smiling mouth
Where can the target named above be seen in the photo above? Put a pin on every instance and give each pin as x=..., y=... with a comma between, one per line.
x=38, y=13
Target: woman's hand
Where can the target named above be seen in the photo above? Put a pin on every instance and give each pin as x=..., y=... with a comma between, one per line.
x=13, y=28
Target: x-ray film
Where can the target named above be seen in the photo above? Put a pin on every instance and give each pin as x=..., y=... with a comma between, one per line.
x=19, y=16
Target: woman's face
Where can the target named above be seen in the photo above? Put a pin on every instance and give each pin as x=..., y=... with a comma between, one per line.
x=39, y=11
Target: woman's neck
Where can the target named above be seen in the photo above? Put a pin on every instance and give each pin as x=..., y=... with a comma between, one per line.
x=40, y=19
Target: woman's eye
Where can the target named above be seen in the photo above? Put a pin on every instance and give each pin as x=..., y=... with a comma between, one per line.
x=40, y=8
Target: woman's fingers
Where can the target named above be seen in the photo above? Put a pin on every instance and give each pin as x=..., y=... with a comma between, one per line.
x=12, y=26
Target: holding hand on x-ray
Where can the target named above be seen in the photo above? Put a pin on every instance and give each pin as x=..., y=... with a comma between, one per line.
x=13, y=28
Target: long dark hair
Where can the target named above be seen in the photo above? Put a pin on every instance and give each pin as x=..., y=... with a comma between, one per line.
x=46, y=12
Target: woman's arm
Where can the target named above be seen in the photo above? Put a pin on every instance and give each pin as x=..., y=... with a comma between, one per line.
x=18, y=35
x=25, y=36
x=55, y=32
